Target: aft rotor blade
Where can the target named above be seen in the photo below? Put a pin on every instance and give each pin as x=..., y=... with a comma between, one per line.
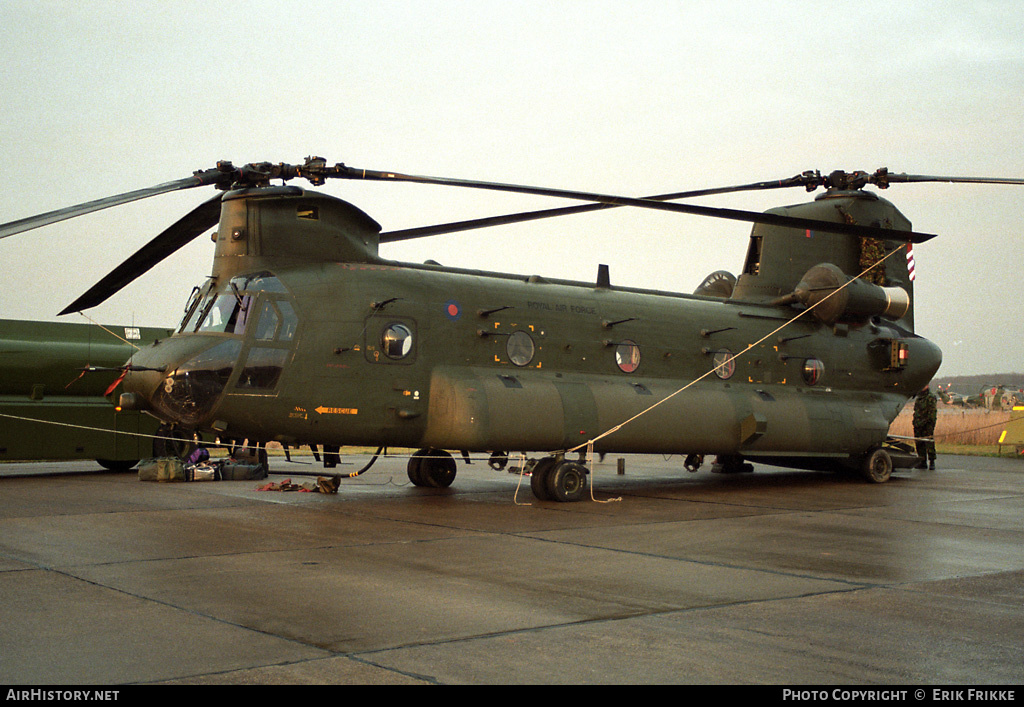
x=732, y=214
x=456, y=226
x=199, y=179
x=181, y=233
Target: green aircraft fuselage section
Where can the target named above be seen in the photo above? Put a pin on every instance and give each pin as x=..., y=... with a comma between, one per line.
x=52, y=409
x=305, y=335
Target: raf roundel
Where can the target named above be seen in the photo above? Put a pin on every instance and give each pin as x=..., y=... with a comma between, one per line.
x=452, y=310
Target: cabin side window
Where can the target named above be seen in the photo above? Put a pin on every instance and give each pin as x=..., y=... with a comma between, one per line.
x=520, y=348
x=725, y=364
x=813, y=370
x=396, y=341
x=627, y=356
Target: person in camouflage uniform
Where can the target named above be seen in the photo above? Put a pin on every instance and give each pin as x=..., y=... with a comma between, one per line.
x=924, y=426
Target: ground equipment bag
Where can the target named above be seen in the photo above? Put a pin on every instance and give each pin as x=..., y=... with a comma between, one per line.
x=232, y=470
x=162, y=469
x=202, y=472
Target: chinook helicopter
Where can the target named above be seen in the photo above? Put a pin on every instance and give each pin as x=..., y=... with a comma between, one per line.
x=304, y=334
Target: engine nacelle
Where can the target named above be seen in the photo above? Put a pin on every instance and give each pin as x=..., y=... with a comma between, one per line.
x=832, y=294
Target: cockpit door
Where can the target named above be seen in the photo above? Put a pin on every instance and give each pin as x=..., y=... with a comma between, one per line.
x=270, y=336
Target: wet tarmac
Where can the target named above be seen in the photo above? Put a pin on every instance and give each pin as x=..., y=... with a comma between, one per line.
x=777, y=577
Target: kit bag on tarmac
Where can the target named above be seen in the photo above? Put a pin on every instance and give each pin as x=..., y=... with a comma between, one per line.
x=162, y=469
x=234, y=470
x=173, y=469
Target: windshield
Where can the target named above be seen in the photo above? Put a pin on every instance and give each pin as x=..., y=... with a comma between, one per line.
x=228, y=313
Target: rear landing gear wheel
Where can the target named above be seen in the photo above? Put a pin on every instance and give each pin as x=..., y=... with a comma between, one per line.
x=567, y=482
x=877, y=466
x=539, y=478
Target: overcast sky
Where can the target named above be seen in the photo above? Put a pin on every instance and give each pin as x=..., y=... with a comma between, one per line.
x=631, y=98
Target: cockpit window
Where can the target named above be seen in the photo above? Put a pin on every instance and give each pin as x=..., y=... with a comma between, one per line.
x=267, y=325
x=228, y=314
x=192, y=322
x=258, y=282
x=289, y=321
x=229, y=311
x=262, y=368
x=191, y=309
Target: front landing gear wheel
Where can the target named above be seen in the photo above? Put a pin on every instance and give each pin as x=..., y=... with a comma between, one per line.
x=173, y=442
x=877, y=466
x=433, y=468
x=413, y=468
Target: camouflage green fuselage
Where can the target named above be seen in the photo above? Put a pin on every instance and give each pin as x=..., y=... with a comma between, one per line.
x=357, y=350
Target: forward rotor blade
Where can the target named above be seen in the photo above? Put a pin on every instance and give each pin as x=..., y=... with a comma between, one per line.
x=181, y=233
x=456, y=226
x=731, y=214
x=199, y=179
x=964, y=180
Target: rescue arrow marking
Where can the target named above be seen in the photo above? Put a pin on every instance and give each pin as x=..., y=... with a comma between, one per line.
x=337, y=411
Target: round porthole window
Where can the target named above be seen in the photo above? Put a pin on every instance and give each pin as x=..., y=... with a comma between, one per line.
x=520, y=348
x=396, y=341
x=725, y=364
x=813, y=370
x=627, y=356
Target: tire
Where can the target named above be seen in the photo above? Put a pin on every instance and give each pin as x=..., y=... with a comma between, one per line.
x=877, y=467
x=172, y=442
x=414, y=467
x=437, y=469
x=539, y=478
x=567, y=482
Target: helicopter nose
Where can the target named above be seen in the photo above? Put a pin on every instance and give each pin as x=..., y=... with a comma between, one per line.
x=138, y=388
x=925, y=360
x=181, y=379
